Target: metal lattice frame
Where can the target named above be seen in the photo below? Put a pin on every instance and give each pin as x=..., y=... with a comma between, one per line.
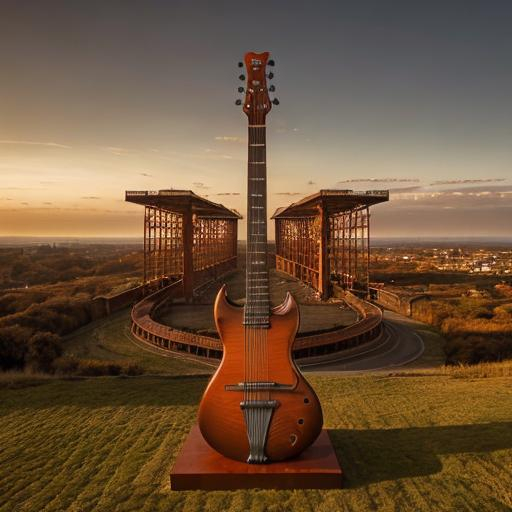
x=187, y=246
x=214, y=241
x=326, y=248
x=297, y=248
x=349, y=246
x=163, y=244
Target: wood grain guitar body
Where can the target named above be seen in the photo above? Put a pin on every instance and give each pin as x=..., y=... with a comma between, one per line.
x=292, y=419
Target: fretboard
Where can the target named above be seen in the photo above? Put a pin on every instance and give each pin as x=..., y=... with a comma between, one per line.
x=257, y=306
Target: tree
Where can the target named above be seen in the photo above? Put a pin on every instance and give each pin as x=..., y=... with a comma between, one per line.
x=43, y=349
x=13, y=346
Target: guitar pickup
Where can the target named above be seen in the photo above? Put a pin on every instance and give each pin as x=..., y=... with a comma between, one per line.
x=258, y=386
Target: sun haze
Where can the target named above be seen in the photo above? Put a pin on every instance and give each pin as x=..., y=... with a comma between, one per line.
x=101, y=97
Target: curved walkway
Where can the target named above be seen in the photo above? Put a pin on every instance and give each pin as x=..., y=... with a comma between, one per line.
x=399, y=345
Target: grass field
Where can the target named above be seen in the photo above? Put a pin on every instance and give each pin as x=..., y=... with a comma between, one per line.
x=109, y=339
x=405, y=443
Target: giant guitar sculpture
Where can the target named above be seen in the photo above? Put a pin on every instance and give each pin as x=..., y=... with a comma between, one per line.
x=258, y=407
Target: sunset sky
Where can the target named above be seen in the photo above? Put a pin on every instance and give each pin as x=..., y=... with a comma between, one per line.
x=101, y=97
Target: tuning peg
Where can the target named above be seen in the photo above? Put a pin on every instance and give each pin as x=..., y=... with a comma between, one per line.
x=270, y=75
x=275, y=101
x=240, y=64
x=271, y=62
x=242, y=77
x=241, y=89
x=238, y=102
x=272, y=88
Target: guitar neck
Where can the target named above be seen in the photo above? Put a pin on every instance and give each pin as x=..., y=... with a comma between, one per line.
x=257, y=306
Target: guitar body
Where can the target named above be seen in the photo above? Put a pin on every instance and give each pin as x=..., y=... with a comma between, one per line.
x=296, y=421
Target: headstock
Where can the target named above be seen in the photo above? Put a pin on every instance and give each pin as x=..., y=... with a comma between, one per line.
x=257, y=103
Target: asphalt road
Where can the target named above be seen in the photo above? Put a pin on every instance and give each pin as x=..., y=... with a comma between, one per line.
x=399, y=346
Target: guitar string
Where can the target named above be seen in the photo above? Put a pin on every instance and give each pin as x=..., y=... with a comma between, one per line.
x=256, y=231
x=255, y=220
x=255, y=337
x=261, y=218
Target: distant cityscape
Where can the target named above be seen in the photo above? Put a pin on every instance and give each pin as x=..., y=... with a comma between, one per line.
x=473, y=260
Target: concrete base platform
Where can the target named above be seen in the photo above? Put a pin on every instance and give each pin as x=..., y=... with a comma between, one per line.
x=199, y=466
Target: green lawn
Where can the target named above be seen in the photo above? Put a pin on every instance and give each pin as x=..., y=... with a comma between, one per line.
x=109, y=339
x=405, y=443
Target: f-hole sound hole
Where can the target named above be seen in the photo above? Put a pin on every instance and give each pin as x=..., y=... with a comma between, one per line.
x=306, y=400
x=300, y=421
x=293, y=439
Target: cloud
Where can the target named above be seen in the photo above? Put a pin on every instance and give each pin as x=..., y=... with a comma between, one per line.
x=405, y=189
x=146, y=174
x=480, y=197
x=381, y=180
x=227, y=194
x=5, y=199
x=35, y=143
x=16, y=188
x=229, y=138
x=48, y=202
x=289, y=193
x=464, y=182
x=47, y=182
x=116, y=150
x=90, y=197
x=285, y=129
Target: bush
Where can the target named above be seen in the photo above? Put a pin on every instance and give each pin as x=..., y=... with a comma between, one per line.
x=13, y=346
x=59, y=315
x=66, y=365
x=43, y=349
x=477, y=348
x=95, y=368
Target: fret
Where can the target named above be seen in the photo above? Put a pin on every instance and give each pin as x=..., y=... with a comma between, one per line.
x=257, y=309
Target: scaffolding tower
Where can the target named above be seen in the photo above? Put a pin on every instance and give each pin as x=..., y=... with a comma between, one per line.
x=186, y=237
x=325, y=238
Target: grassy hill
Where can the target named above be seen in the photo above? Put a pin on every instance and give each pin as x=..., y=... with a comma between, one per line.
x=406, y=442
x=109, y=339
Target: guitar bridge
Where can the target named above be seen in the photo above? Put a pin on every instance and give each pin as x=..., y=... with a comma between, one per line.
x=258, y=386
x=257, y=415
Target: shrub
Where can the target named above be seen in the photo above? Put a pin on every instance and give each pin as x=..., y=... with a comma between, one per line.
x=66, y=365
x=43, y=349
x=13, y=346
x=69, y=365
x=477, y=348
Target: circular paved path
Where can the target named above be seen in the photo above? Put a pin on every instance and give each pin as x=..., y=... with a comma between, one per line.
x=399, y=345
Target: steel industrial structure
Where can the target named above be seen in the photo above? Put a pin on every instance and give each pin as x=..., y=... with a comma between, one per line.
x=325, y=237
x=186, y=237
